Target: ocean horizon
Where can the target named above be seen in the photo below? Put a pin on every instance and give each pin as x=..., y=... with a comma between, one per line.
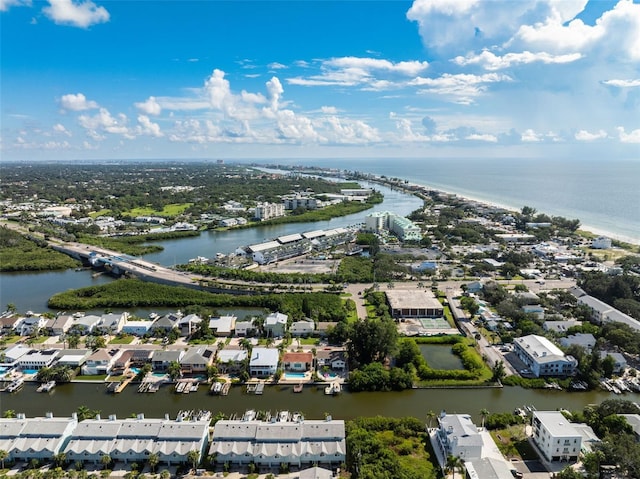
x=603, y=195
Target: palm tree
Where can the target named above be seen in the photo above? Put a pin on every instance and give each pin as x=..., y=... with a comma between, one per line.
x=484, y=413
x=165, y=474
x=9, y=413
x=193, y=457
x=60, y=459
x=430, y=416
x=453, y=463
x=105, y=460
x=153, y=460
x=3, y=457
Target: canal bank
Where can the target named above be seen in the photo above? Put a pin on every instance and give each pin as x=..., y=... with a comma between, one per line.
x=311, y=402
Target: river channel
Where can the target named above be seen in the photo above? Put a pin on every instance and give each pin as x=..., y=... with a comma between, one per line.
x=30, y=291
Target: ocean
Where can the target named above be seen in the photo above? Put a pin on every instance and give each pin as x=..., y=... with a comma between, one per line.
x=604, y=195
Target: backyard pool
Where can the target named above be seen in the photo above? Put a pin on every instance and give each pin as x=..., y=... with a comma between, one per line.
x=294, y=375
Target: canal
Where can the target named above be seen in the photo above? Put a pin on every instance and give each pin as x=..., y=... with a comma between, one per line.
x=312, y=402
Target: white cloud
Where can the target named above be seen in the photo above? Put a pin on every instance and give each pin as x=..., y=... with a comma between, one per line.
x=584, y=135
x=365, y=72
x=623, y=83
x=276, y=66
x=149, y=107
x=7, y=4
x=104, y=122
x=351, y=132
x=77, y=102
x=462, y=88
x=329, y=110
x=147, y=127
x=490, y=61
x=81, y=14
x=530, y=136
x=482, y=137
x=275, y=91
x=60, y=128
x=631, y=137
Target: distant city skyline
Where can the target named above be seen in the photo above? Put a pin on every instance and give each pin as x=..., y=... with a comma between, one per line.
x=104, y=79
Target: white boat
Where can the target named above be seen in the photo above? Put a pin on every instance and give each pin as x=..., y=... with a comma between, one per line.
x=15, y=385
x=333, y=388
x=46, y=387
x=217, y=388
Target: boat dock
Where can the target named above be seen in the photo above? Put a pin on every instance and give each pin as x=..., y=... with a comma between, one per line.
x=116, y=387
x=186, y=386
x=46, y=387
x=298, y=388
x=15, y=385
x=255, y=388
x=147, y=386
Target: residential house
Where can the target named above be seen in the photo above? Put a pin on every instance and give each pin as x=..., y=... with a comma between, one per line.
x=37, y=359
x=223, y=325
x=59, y=325
x=535, y=310
x=299, y=443
x=620, y=363
x=316, y=473
x=122, y=363
x=275, y=324
x=560, y=327
x=231, y=361
x=586, y=340
x=555, y=436
x=9, y=323
x=543, y=357
x=141, y=357
x=38, y=438
x=161, y=360
x=333, y=359
x=86, y=324
x=9, y=357
x=73, y=358
x=137, y=328
x=112, y=323
x=297, y=362
x=302, y=328
x=196, y=360
x=634, y=422
x=245, y=328
x=100, y=362
x=164, y=324
x=31, y=324
x=188, y=324
x=263, y=362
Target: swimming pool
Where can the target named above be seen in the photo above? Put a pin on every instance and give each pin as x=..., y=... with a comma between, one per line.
x=294, y=375
x=29, y=371
x=135, y=371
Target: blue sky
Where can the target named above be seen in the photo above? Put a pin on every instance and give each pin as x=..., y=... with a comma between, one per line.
x=266, y=79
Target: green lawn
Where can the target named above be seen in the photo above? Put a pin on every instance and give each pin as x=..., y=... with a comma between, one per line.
x=169, y=211
x=89, y=377
x=102, y=212
x=122, y=340
x=513, y=442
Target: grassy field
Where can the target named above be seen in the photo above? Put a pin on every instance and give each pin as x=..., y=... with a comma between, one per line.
x=513, y=443
x=103, y=212
x=122, y=340
x=168, y=211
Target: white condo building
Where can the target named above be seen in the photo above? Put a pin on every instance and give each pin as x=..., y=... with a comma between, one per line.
x=555, y=436
x=266, y=211
x=543, y=357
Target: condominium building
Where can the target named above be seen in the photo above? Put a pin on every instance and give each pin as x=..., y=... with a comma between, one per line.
x=556, y=438
x=543, y=357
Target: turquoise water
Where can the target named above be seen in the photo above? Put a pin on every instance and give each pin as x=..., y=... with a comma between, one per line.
x=135, y=371
x=294, y=375
x=30, y=371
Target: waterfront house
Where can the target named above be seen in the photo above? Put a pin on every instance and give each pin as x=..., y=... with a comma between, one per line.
x=59, y=325
x=555, y=436
x=331, y=358
x=161, y=360
x=244, y=328
x=543, y=357
x=231, y=361
x=122, y=363
x=37, y=359
x=302, y=328
x=300, y=443
x=188, y=324
x=133, y=440
x=263, y=362
x=9, y=323
x=619, y=364
x=297, y=362
x=223, y=325
x=31, y=324
x=164, y=324
x=86, y=324
x=141, y=357
x=11, y=355
x=137, y=328
x=73, y=358
x=112, y=323
x=38, y=438
x=196, y=360
x=275, y=324
x=100, y=362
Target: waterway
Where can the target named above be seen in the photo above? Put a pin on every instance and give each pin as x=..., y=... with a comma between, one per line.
x=440, y=356
x=312, y=402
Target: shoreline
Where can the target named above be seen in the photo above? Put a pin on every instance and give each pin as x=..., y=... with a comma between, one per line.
x=591, y=229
